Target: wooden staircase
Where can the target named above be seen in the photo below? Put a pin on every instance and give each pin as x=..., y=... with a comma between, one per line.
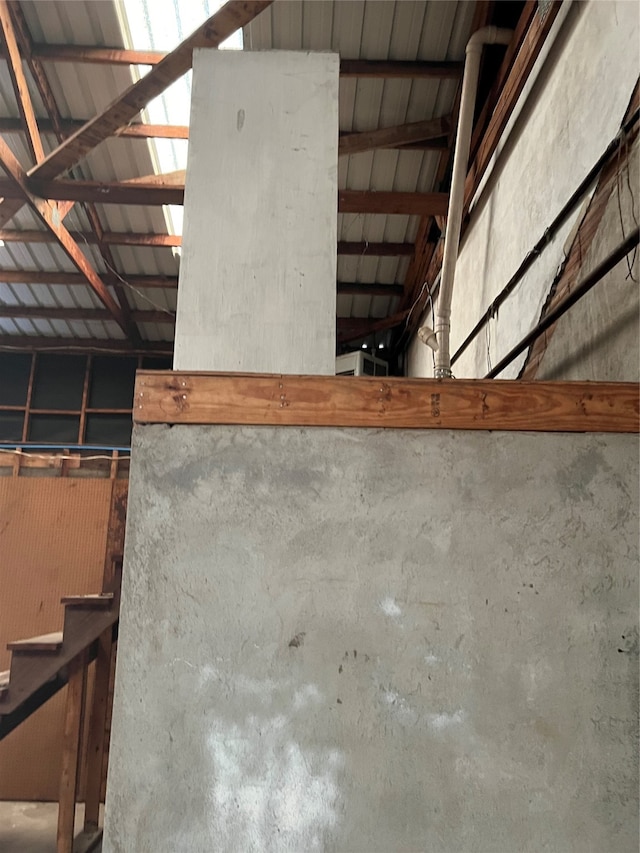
x=40, y=666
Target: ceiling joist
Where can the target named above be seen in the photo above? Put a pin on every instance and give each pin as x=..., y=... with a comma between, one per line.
x=117, y=238
x=50, y=218
x=348, y=67
x=156, y=193
x=19, y=82
x=394, y=137
x=234, y=15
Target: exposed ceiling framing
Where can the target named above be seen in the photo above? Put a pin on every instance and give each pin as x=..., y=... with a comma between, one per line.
x=54, y=184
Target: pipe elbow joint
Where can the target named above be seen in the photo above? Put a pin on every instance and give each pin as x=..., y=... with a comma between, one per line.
x=488, y=35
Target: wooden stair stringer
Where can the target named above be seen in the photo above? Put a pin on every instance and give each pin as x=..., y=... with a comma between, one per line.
x=30, y=670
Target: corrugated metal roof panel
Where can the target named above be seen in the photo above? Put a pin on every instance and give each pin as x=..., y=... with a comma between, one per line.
x=359, y=29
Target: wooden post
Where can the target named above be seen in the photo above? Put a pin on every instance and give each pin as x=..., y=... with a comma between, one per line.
x=71, y=751
x=97, y=726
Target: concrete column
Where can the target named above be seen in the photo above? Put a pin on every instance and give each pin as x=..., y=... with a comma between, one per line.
x=257, y=288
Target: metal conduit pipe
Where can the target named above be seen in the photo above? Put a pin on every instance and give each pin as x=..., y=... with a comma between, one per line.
x=486, y=35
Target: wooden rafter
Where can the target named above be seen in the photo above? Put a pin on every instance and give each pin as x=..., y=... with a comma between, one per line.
x=140, y=130
x=234, y=15
x=50, y=218
x=46, y=312
x=38, y=74
x=348, y=67
x=359, y=288
x=32, y=343
x=19, y=83
x=354, y=328
x=121, y=238
x=47, y=96
x=349, y=328
x=157, y=193
x=394, y=137
x=70, y=279
x=136, y=130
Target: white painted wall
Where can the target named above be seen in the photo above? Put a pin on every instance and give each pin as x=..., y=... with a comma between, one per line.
x=570, y=111
x=257, y=289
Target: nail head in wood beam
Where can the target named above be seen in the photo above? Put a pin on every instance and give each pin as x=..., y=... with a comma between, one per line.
x=222, y=398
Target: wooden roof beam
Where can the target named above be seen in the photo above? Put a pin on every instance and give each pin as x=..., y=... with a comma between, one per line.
x=234, y=15
x=46, y=312
x=394, y=137
x=37, y=343
x=348, y=67
x=71, y=279
x=354, y=328
x=121, y=238
x=348, y=328
x=168, y=283
x=49, y=101
x=19, y=82
x=136, y=130
x=139, y=130
x=155, y=193
x=50, y=218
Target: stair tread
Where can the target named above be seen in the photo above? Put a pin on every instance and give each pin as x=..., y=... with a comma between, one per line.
x=97, y=598
x=44, y=642
x=4, y=678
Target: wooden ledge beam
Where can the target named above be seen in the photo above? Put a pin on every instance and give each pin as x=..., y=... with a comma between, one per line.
x=171, y=397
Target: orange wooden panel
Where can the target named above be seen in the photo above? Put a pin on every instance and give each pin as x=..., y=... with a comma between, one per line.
x=53, y=535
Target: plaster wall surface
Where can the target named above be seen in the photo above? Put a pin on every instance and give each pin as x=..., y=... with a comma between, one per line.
x=569, y=112
x=320, y=652
x=257, y=287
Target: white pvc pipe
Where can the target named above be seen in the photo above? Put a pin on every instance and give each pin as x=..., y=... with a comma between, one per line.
x=487, y=35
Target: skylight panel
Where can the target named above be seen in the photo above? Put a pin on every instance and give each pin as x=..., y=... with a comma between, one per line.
x=162, y=25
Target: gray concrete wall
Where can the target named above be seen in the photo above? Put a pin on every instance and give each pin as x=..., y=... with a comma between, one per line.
x=258, y=271
x=570, y=110
x=319, y=652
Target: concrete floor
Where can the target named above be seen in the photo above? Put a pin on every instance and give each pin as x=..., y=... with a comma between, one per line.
x=31, y=827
